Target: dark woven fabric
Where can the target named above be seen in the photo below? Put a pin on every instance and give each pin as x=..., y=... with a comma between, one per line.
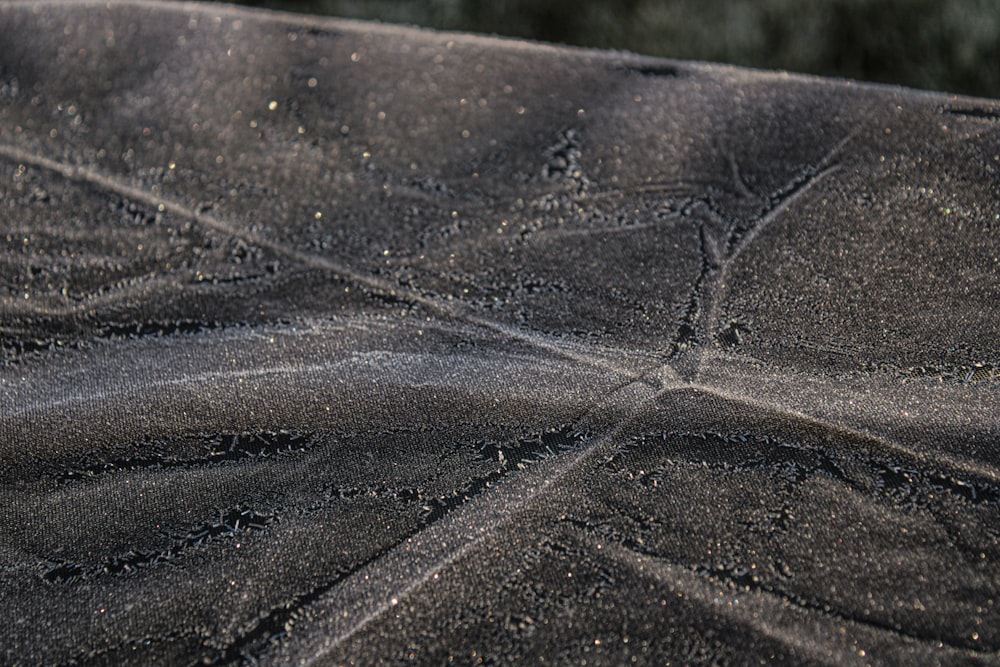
x=341, y=343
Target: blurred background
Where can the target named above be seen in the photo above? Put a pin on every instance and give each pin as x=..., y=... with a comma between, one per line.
x=949, y=45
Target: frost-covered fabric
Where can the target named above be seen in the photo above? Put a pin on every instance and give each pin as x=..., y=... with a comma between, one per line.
x=333, y=342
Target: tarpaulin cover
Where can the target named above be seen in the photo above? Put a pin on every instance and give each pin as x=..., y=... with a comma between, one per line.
x=337, y=342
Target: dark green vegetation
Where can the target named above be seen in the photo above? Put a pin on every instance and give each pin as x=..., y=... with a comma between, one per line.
x=951, y=46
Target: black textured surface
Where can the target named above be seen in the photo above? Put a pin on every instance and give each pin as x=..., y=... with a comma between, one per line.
x=330, y=342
